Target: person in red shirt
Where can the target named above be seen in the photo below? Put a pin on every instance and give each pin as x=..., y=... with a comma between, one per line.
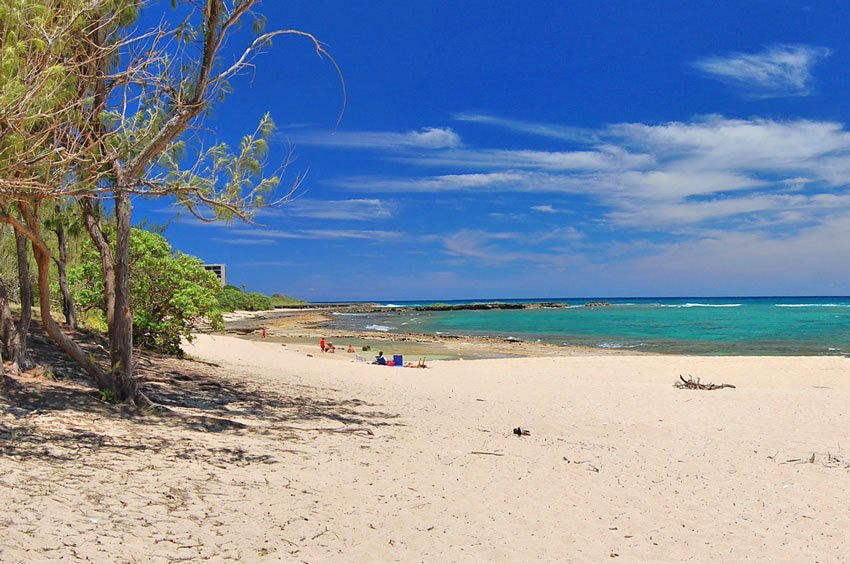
x=322, y=344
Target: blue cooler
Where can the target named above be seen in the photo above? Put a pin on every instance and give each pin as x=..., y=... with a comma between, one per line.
x=398, y=360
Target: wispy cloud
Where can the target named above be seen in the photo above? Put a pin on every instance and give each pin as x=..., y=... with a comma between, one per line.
x=351, y=210
x=511, y=181
x=268, y=263
x=552, y=131
x=425, y=138
x=761, y=258
x=779, y=70
x=602, y=157
x=474, y=243
x=243, y=241
x=500, y=248
x=372, y=235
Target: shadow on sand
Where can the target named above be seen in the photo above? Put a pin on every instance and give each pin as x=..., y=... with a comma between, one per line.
x=54, y=411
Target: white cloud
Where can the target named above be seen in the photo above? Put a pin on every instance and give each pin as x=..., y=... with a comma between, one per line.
x=754, y=144
x=663, y=215
x=779, y=70
x=544, y=209
x=708, y=193
x=426, y=138
x=652, y=175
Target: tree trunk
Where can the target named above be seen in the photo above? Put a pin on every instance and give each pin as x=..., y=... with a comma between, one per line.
x=68, y=308
x=7, y=324
x=16, y=344
x=42, y=260
x=125, y=386
x=106, y=261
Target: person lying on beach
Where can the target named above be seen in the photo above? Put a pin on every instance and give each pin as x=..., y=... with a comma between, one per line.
x=420, y=364
x=380, y=359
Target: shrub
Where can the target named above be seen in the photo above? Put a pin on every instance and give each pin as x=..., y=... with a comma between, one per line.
x=170, y=292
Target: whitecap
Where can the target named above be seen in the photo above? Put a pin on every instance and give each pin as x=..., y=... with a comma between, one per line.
x=811, y=305
x=699, y=305
x=382, y=328
x=620, y=345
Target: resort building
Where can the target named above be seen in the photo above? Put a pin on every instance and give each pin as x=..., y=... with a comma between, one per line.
x=220, y=270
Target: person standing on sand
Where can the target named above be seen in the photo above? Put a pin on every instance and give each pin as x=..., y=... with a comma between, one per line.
x=264, y=332
x=322, y=344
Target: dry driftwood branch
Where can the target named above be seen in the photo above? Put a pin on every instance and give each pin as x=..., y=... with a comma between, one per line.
x=691, y=384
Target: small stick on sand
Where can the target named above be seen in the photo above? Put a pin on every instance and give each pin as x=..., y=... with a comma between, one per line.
x=355, y=429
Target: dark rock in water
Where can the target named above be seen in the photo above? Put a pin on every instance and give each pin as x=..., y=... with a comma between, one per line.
x=548, y=305
x=464, y=307
x=597, y=304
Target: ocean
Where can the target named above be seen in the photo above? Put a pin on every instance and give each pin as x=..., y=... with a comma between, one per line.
x=702, y=326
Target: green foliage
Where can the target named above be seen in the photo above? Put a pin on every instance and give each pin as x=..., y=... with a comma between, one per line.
x=232, y=298
x=231, y=182
x=281, y=300
x=170, y=292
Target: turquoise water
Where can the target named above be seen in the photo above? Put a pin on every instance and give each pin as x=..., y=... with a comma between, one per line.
x=706, y=326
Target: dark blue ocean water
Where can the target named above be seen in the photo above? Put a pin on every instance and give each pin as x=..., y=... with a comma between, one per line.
x=705, y=326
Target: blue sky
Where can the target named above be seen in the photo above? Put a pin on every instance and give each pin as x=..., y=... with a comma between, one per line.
x=546, y=149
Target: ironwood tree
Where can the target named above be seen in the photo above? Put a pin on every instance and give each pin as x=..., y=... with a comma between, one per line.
x=137, y=97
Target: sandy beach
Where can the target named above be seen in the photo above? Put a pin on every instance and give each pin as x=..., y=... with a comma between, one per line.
x=285, y=454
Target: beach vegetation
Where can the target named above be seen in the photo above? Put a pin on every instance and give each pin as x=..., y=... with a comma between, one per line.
x=170, y=292
x=282, y=300
x=106, y=395
x=232, y=298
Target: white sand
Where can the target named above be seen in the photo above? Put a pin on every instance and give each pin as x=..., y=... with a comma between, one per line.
x=619, y=465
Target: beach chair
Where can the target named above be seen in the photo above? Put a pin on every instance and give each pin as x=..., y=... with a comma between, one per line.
x=359, y=358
